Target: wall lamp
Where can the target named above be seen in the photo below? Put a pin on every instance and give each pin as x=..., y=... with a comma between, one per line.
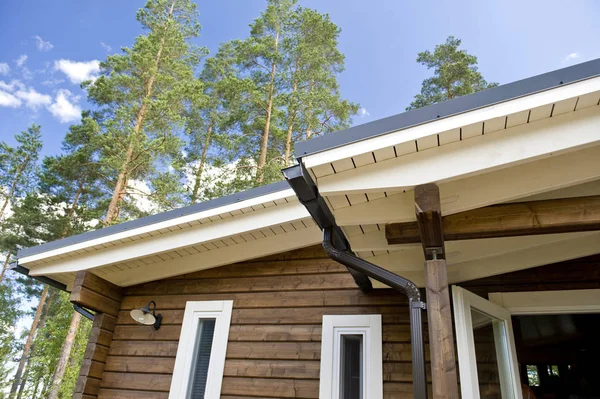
x=147, y=315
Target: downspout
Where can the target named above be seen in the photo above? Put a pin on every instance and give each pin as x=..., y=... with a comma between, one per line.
x=309, y=196
x=52, y=283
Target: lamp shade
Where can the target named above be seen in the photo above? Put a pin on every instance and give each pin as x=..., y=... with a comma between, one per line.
x=143, y=316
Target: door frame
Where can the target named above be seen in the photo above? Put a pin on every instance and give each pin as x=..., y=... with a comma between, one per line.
x=510, y=383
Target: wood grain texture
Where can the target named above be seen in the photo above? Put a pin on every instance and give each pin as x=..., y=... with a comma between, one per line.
x=95, y=356
x=274, y=344
x=565, y=215
x=443, y=360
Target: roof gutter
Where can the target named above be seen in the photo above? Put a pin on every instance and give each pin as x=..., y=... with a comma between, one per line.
x=338, y=249
x=309, y=196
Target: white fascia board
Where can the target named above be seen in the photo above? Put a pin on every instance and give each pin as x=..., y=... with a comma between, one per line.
x=218, y=257
x=509, y=184
x=453, y=122
x=161, y=225
x=232, y=226
x=513, y=146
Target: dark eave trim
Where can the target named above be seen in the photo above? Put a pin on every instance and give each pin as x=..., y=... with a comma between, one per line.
x=42, y=279
x=510, y=91
x=158, y=218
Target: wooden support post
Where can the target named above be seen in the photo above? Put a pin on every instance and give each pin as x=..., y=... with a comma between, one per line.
x=103, y=297
x=441, y=338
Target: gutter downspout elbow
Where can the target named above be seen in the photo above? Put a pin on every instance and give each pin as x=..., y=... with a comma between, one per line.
x=400, y=284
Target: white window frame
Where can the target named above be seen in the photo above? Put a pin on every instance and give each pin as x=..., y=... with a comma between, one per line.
x=194, y=311
x=369, y=326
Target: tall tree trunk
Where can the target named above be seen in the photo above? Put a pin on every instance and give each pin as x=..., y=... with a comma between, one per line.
x=198, y=176
x=65, y=351
x=64, y=356
x=309, y=113
x=264, y=142
x=4, y=267
x=113, y=208
x=13, y=186
x=27, y=348
x=32, y=351
x=291, y=118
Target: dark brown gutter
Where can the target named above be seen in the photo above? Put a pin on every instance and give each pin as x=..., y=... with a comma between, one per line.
x=338, y=248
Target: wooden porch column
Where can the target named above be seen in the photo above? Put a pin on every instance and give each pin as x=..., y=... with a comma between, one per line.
x=441, y=338
x=103, y=297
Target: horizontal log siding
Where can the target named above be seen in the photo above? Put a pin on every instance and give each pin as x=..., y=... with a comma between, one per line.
x=274, y=344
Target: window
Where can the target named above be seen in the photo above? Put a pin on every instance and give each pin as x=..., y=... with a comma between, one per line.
x=533, y=377
x=351, y=358
x=200, y=360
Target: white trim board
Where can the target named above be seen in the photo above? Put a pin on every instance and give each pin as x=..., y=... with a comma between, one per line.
x=517, y=145
x=454, y=122
x=194, y=311
x=369, y=326
x=161, y=225
x=548, y=302
x=232, y=226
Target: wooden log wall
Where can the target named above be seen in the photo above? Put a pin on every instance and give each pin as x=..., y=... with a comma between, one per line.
x=274, y=342
x=104, y=298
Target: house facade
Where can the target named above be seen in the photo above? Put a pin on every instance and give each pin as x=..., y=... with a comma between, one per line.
x=447, y=251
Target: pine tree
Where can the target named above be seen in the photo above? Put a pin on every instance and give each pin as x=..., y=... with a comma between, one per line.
x=17, y=165
x=455, y=74
x=211, y=125
x=260, y=59
x=142, y=95
x=312, y=60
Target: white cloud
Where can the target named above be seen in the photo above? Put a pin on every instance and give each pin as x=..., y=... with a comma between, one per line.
x=571, y=57
x=33, y=99
x=15, y=84
x=106, y=47
x=4, y=68
x=53, y=82
x=9, y=100
x=362, y=112
x=43, y=45
x=21, y=60
x=65, y=107
x=77, y=72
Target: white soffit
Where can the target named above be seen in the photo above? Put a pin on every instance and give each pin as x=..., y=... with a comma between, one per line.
x=204, y=218
x=157, y=245
x=494, y=115
x=481, y=154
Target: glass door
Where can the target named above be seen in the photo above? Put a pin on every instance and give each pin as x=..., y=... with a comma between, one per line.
x=486, y=349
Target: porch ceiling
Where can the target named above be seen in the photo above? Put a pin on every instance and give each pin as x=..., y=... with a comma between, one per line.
x=548, y=151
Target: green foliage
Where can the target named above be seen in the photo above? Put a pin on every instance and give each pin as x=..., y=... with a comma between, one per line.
x=455, y=74
x=141, y=97
x=18, y=165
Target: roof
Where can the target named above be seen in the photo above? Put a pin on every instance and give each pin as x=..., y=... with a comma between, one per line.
x=455, y=106
x=157, y=218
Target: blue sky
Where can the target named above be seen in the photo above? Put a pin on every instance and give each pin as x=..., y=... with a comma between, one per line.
x=47, y=47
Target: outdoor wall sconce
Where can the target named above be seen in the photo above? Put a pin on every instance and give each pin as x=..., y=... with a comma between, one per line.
x=147, y=315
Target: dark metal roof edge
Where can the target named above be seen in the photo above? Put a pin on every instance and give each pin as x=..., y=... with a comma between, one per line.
x=153, y=219
x=499, y=94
